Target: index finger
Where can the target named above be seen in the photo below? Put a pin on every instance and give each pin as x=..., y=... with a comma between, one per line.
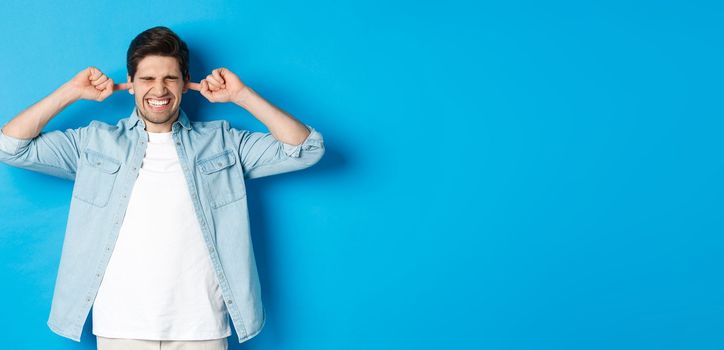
x=194, y=86
x=122, y=86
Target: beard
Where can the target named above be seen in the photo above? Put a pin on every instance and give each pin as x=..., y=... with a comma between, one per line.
x=157, y=118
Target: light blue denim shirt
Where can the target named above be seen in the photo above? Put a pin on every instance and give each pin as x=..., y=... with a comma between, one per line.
x=104, y=161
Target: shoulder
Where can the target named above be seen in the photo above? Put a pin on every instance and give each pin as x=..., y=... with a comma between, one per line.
x=209, y=124
x=213, y=127
x=103, y=126
x=103, y=130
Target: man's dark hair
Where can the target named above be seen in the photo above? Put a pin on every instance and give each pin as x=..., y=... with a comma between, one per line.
x=158, y=41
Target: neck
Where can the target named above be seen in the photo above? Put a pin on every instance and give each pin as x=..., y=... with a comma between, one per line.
x=151, y=127
x=158, y=127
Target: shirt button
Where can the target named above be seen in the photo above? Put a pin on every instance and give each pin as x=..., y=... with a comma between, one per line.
x=178, y=143
x=229, y=301
x=211, y=249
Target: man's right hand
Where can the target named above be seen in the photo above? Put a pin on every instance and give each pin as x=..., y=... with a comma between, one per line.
x=92, y=84
x=89, y=84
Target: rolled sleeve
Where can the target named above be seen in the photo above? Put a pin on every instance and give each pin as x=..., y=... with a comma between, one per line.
x=53, y=153
x=12, y=145
x=262, y=154
x=312, y=142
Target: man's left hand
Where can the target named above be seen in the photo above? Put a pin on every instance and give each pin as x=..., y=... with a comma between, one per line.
x=220, y=86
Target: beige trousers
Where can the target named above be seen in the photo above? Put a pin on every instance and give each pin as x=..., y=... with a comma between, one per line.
x=104, y=343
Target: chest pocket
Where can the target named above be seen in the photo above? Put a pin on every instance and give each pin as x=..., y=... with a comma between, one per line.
x=223, y=180
x=96, y=177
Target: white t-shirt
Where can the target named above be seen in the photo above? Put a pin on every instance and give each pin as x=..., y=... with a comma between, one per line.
x=160, y=283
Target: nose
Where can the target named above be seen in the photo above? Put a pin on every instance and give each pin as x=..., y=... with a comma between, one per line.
x=159, y=88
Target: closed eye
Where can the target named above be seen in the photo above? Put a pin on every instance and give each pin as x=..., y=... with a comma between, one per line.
x=168, y=78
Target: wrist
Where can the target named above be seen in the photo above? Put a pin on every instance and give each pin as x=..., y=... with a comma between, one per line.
x=67, y=94
x=244, y=96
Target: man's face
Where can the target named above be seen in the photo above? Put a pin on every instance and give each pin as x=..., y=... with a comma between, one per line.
x=157, y=87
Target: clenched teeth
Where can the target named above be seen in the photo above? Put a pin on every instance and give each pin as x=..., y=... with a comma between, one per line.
x=155, y=102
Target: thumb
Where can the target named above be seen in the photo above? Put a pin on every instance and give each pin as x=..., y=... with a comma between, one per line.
x=205, y=91
x=107, y=91
x=93, y=73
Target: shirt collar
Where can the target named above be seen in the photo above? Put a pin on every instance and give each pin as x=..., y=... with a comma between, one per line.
x=134, y=119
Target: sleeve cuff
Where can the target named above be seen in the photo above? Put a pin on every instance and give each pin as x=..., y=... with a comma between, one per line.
x=312, y=142
x=11, y=145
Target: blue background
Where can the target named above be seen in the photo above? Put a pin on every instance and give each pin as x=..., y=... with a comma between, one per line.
x=498, y=175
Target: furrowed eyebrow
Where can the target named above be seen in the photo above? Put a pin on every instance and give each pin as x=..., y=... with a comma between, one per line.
x=166, y=77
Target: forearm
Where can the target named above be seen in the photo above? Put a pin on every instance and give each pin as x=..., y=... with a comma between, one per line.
x=32, y=120
x=283, y=126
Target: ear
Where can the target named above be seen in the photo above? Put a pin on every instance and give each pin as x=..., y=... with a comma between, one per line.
x=128, y=79
x=186, y=85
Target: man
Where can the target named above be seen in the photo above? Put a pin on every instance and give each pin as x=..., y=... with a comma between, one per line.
x=157, y=240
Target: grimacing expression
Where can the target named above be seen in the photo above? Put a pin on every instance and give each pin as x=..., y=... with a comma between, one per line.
x=157, y=87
